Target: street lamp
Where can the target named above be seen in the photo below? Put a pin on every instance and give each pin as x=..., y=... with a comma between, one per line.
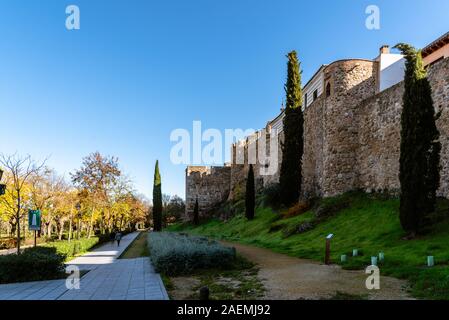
x=2, y=186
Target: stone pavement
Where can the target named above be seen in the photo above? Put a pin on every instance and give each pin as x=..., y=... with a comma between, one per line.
x=106, y=254
x=109, y=278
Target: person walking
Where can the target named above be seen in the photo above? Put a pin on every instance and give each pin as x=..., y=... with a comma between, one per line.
x=118, y=237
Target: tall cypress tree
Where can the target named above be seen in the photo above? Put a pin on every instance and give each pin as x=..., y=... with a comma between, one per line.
x=196, y=213
x=157, y=199
x=293, y=145
x=420, y=147
x=250, y=195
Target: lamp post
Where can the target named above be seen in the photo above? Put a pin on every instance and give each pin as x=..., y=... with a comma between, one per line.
x=2, y=186
x=327, y=256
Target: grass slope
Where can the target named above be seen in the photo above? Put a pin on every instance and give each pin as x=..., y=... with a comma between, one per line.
x=370, y=224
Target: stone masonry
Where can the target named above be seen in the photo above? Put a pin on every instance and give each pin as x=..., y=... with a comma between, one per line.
x=351, y=139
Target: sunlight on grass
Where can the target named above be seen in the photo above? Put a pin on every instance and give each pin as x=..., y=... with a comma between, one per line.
x=369, y=224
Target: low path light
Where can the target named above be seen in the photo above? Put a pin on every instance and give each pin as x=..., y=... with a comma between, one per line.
x=430, y=261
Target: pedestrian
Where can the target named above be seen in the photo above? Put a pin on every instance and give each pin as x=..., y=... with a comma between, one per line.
x=118, y=237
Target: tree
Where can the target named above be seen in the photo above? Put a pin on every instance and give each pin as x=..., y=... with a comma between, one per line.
x=44, y=188
x=293, y=145
x=19, y=171
x=420, y=147
x=174, y=209
x=250, y=195
x=97, y=180
x=157, y=199
x=196, y=213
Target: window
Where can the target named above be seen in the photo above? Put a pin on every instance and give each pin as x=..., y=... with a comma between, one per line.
x=305, y=100
x=328, y=90
x=315, y=95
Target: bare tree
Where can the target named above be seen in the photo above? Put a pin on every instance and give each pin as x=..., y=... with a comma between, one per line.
x=19, y=171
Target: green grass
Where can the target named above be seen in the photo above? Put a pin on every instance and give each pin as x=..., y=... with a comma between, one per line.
x=74, y=247
x=370, y=224
x=138, y=248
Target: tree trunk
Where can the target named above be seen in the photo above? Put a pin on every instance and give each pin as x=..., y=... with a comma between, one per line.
x=70, y=229
x=61, y=229
x=18, y=232
x=91, y=223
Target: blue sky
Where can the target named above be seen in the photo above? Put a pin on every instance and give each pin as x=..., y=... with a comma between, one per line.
x=136, y=70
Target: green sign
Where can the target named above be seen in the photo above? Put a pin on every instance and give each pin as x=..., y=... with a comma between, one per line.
x=34, y=220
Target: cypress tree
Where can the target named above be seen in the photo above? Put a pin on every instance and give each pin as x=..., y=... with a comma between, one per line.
x=196, y=213
x=293, y=145
x=420, y=147
x=250, y=196
x=157, y=199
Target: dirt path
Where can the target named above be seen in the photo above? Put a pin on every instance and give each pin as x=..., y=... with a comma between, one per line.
x=289, y=278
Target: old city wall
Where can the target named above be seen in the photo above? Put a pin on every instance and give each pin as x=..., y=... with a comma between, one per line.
x=351, y=140
x=379, y=123
x=210, y=185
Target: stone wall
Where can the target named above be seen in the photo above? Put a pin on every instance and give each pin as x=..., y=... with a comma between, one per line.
x=210, y=185
x=312, y=161
x=352, y=81
x=351, y=140
x=379, y=134
x=439, y=79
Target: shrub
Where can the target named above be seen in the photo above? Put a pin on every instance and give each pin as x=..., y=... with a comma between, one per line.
x=272, y=195
x=34, y=264
x=74, y=247
x=298, y=209
x=175, y=253
x=329, y=209
x=8, y=243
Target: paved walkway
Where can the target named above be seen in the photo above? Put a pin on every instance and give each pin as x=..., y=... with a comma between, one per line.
x=109, y=278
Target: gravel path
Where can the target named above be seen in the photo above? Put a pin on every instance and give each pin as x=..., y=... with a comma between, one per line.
x=289, y=278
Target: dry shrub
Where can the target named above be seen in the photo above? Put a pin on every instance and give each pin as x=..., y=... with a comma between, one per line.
x=298, y=209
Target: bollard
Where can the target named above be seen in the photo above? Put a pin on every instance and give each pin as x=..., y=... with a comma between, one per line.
x=430, y=261
x=344, y=258
x=355, y=253
x=327, y=257
x=204, y=293
x=381, y=256
x=374, y=261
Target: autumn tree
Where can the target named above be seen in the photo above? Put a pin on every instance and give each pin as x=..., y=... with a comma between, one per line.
x=19, y=171
x=97, y=178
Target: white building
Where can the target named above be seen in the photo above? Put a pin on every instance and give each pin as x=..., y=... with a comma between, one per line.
x=391, y=68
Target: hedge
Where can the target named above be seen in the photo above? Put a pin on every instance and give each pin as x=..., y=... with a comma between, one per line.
x=178, y=253
x=34, y=264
